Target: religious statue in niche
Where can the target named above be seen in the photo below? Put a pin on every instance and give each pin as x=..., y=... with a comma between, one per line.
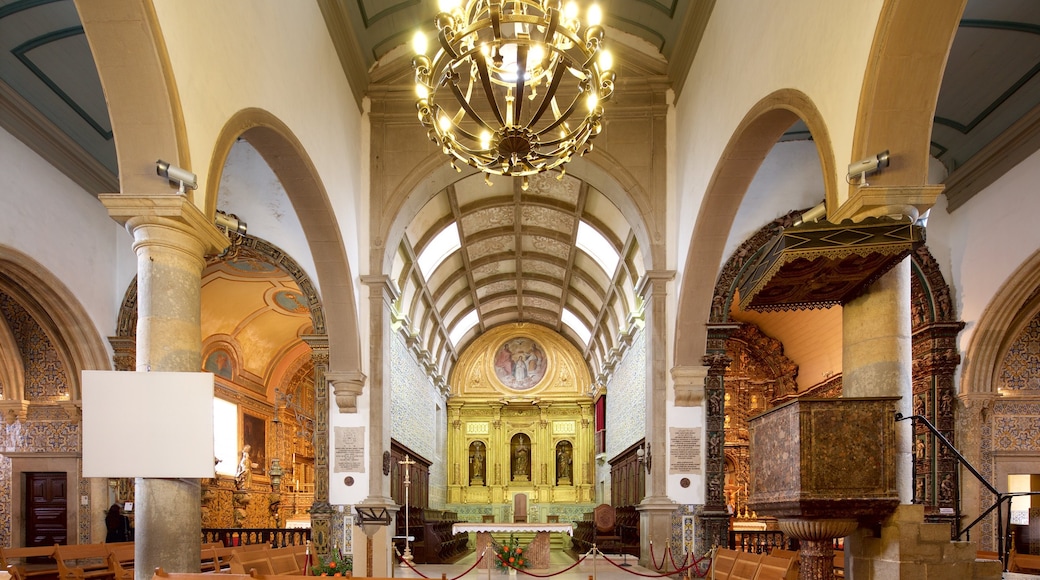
x=520, y=363
x=521, y=455
x=564, y=463
x=477, y=463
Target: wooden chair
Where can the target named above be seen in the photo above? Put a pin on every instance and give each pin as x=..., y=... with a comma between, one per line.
x=605, y=535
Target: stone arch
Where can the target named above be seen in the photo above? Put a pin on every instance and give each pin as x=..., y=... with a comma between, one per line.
x=134, y=68
x=289, y=161
x=59, y=312
x=754, y=137
x=901, y=85
x=983, y=414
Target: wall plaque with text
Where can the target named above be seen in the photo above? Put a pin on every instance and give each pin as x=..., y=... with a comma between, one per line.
x=684, y=456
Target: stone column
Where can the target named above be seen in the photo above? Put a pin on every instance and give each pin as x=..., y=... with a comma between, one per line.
x=876, y=357
x=171, y=239
x=381, y=296
x=656, y=509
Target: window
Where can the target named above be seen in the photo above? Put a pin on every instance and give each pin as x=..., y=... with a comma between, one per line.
x=594, y=244
x=440, y=247
x=468, y=321
x=575, y=324
x=225, y=436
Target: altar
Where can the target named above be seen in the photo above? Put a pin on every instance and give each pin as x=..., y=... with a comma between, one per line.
x=537, y=552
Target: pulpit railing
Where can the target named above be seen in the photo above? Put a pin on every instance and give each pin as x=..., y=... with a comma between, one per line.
x=274, y=537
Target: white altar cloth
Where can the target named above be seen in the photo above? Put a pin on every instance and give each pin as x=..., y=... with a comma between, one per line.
x=508, y=527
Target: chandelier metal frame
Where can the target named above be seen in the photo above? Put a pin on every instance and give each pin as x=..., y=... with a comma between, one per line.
x=478, y=106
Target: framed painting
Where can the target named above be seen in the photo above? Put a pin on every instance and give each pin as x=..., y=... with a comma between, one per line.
x=254, y=434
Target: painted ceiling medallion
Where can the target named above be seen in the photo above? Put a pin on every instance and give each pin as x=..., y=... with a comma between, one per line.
x=520, y=363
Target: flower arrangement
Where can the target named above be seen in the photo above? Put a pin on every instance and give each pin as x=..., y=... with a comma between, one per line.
x=336, y=564
x=510, y=555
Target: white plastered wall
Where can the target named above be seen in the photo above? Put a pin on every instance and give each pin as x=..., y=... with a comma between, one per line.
x=48, y=217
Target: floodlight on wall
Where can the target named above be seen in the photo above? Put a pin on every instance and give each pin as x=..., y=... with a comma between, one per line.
x=183, y=177
x=643, y=455
x=230, y=222
x=495, y=57
x=860, y=169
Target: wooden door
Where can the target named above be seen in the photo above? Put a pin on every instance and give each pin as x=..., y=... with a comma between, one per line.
x=46, y=509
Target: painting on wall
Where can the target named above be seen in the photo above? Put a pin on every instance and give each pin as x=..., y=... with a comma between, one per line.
x=219, y=363
x=520, y=363
x=254, y=434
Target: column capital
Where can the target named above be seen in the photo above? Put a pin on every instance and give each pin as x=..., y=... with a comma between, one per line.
x=689, y=385
x=880, y=200
x=384, y=284
x=654, y=281
x=170, y=212
x=347, y=386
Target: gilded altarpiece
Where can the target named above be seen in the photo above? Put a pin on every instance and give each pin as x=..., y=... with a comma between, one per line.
x=520, y=422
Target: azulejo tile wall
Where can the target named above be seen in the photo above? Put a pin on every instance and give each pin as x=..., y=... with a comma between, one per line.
x=414, y=416
x=626, y=399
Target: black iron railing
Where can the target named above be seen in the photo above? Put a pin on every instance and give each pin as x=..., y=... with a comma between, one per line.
x=759, y=541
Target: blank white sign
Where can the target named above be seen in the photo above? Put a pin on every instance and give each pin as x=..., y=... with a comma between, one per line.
x=147, y=424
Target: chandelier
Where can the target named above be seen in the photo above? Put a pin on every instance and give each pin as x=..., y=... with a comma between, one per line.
x=517, y=86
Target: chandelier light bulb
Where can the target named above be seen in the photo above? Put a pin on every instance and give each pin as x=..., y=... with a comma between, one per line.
x=419, y=44
x=421, y=91
x=445, y=123
x=595, y=15
x=570, y=10
x=606, y=60
x=448, y=5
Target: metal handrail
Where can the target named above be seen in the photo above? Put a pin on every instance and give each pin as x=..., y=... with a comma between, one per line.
x=1003, y=549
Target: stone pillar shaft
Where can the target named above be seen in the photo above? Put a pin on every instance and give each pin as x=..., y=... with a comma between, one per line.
x=876, y=357
x=171, y=239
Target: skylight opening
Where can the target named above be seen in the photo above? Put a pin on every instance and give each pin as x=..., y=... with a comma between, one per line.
x=576, y=325
x=468, y=321
x=594, y=244
x=440, y=247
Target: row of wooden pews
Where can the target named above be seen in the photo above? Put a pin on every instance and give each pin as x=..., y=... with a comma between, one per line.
x=435, y=542
x=733, y=565
x=115, y=561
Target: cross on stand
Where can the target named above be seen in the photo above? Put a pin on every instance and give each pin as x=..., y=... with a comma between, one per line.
x=407, y=463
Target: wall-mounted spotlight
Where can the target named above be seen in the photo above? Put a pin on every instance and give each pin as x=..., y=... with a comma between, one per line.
x=869, y=165
x=183, y=177
x=230, y=222
x=643, y=455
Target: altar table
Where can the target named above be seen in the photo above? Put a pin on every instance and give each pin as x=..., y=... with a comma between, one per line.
x=537, y=552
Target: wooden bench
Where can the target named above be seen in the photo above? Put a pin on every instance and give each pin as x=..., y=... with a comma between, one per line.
x=16, y=562
x=733, y=565
x=83, y=562
x=1028, y=563
x=286, y=561
x=121, y=560
x=215, y=557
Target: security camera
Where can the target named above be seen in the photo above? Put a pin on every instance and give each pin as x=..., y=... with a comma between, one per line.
x=185, y=178
x=230, y=222
x=870, y=165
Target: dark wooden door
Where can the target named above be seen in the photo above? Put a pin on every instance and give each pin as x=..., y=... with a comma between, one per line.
x=46, y=508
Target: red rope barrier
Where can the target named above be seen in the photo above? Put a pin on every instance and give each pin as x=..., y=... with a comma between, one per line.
x=653, y=559
x=678, y=571
x=568, y=568
x=671, y=555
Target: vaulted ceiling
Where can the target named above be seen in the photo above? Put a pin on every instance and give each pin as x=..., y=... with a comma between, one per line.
x=519, y=256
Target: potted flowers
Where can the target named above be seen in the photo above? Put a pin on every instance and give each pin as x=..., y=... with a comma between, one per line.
x=510, y=556
x=335, y=564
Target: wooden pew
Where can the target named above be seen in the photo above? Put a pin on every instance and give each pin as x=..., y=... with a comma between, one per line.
x=774, y=568
x=1027, y=563
x=121, y=560
x=215, y=557
x=722, y=563
x=83, y=562
x=746, y=566
x=16, y=562
x=269, y=561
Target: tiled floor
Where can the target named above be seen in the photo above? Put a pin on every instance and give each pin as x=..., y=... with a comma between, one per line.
x=558, y=562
